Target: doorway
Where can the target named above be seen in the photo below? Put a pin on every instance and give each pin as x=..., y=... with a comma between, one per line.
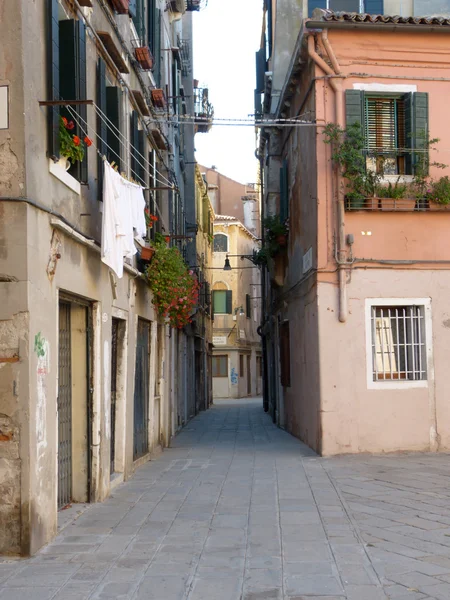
x=249, y=375
x=74, y=399
x=141, y=390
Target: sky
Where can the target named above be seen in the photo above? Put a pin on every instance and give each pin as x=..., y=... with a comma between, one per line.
x=227, y=34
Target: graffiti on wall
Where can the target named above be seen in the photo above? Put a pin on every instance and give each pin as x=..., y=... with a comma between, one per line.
x=233, y=376
x=42, y=351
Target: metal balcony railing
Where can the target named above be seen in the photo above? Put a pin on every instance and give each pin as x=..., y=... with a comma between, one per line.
x=203, y=109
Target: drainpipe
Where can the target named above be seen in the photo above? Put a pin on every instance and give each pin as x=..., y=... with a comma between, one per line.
x=339, y=120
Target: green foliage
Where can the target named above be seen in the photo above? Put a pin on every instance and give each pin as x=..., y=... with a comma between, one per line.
x=347, y=152
x=440, y=191
x=175, y=288
x=274, y=226
x=422, y=166
x=396, y=191
x=70, y=145
x=275, y=230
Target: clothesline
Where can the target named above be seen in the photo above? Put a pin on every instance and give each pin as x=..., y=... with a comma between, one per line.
x=75, y=117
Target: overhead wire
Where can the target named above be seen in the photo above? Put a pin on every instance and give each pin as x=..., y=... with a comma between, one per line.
x=125, y=144
x=75, y=116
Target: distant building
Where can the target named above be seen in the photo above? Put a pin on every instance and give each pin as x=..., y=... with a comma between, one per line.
x=236, y=300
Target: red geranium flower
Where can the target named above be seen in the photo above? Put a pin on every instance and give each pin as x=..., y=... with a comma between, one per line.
x=64, y=121
x=87, y=141
x=167, y=238
x=70, y=125
x=76, y=140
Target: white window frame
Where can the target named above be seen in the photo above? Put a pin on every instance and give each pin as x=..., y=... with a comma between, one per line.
x=399, y=384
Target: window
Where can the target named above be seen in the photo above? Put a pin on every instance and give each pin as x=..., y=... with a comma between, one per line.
x=248, y=306
x=417, y=8
x=359, y=6
x=220, y=366
x=285, y=354
x=222, y=302
x=66, y=79
x=241, y=365
x=394, y=125
x=398, y=343
x=220, y=242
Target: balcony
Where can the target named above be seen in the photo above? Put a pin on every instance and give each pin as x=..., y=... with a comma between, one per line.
x=203, y=109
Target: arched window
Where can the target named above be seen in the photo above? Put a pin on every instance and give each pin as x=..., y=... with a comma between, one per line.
x=220, y=242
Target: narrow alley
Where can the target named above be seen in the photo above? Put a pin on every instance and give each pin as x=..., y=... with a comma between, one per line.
x=238, y=509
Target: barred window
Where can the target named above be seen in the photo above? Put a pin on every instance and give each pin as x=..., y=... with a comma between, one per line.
x=398, y=343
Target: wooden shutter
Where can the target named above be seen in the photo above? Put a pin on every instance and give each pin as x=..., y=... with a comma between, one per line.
x=285, y=355
x=229, y=301
x=312, y=4
x=354, y=107
x=241, y=365
x=134, y=142
x=102, y=130
x=157, y=46
x=139, y=159
x=53, y=77
x=248, y=306
x=269, y=27
x=151, y=26
x=284, y=192
x=113, y=95
x=381, y=129
x=260, y=70
x=374, y=7
x=416, y=127
x=82, y=91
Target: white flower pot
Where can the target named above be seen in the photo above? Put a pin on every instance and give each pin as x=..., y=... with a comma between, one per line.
x=64, y=163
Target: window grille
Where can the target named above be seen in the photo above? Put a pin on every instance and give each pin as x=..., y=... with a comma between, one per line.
x=398, y=343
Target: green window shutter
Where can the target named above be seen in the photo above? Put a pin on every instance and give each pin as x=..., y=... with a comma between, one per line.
x=284, y=192
x=140, y=160
x=229, y=308
x=157, y=47
x=416, y=129
x=113, y=96
x=220, y=302
x=354, y=107
x=374, y=7
x=102, y=130
x=53, y=77
x=248, y=306
x=151, y=25
x=134, y=142
x=260, y=69
x=312, y=4
x=82, y=91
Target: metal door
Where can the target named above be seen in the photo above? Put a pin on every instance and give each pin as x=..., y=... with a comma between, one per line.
x=64, y=408
x=114, y=346
x=141, y=389
x=249, y=375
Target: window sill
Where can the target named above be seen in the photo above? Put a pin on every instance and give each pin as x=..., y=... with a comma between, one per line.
x=60, y=173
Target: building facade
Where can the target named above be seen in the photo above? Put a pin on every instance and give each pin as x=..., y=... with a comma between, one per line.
x=236, y=299
x=89, y=373
x=355, y=321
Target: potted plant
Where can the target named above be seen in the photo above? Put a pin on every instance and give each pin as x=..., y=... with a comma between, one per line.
x=348, y=154
x=175, y=288
x=276, y=230
x=438, y=195
x=71, y=147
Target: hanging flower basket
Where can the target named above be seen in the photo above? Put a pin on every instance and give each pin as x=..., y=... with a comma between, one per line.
x=144, y=57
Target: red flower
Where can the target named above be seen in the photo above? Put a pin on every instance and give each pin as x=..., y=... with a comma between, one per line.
x=76, y=140
x=64, y=121
x=154, y=218
x=87, y=141
x=70, y=125
x=167, y=238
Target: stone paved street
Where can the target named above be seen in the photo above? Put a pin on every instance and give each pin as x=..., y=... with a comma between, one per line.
x=239, y=510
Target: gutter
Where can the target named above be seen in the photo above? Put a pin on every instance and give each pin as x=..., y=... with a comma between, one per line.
x=397, y=27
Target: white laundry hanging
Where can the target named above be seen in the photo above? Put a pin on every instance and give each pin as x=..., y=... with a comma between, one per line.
x=123, y=211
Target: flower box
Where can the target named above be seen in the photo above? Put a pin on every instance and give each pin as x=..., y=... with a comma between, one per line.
x=147, y=253
x=435, y=206
x=120, y=6
x=397, y=204
x=144, y=57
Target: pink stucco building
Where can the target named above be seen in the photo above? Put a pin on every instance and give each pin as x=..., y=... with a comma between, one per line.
x=357, y=322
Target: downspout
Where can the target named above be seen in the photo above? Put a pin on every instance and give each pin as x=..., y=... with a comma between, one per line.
x=339, y=120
